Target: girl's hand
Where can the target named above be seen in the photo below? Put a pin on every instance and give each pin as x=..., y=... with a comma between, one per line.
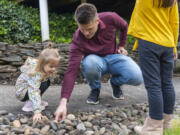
x=37, y=117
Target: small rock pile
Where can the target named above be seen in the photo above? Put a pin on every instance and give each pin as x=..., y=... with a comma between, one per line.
x=110, y=121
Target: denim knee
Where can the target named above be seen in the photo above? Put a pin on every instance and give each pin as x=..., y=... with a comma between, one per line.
x=134, y=77
x=91, y=66
x=137, y=78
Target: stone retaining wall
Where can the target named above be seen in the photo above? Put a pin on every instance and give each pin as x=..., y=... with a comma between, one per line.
x=13, y=56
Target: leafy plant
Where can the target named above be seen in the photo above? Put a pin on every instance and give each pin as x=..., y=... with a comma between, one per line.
x=176, y=128
x=130, y=39
x=62, y=27
x=22, y=24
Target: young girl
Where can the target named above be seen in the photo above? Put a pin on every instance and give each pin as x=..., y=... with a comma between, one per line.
x=34, y=80
x=155, y=24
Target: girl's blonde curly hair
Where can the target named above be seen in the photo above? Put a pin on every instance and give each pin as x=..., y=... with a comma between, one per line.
x=48, y=53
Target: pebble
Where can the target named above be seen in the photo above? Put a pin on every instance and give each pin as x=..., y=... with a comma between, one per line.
x=45, y=129
x=16, y=124
x=5, y=121
x=81, y=127
x=89, y=133
x=53, y=125
x=68, y=122
x=18, y=130
x=110, y=121
x=69, y=128
x=3, y=112
x=61, y=132
x=3, y=133
x=88, y=124
x=24, y=120
x=70, y=117
x=11, y=117
x=102, y=130
x=27, y=131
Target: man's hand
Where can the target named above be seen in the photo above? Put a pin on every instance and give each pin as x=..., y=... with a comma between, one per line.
x=61, y=111
x=123, y=51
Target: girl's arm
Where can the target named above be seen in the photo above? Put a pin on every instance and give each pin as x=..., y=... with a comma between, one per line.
x=28, y=64
x=35, y=98
x=34, y=83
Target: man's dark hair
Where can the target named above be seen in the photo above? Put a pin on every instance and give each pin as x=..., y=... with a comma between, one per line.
x=85, y=13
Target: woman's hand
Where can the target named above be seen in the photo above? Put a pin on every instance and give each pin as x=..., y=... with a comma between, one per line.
x=175, y=56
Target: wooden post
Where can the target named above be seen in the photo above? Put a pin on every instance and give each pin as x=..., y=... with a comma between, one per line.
x=44, y=19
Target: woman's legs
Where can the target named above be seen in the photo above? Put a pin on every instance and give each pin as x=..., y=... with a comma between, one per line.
x=149, y=60
x=150, y=56
x=167, y=63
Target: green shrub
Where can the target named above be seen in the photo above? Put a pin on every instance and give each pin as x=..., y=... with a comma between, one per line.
x=62, y=27
x=130, y=39
x=176, y=128
x=22, y=24
x=14, y=23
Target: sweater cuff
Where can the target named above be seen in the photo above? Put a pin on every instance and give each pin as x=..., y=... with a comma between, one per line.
x=65, y=96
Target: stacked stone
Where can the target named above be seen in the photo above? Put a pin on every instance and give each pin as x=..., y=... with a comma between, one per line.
x=12, y=58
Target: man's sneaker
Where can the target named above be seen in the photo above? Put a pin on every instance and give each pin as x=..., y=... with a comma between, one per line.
x=93, y=97
x=117, y=92
x=27, y=106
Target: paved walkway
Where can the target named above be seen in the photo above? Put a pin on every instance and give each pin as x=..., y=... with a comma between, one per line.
x=133, y=94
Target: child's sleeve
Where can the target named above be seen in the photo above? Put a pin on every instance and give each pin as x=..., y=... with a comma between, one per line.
x=28, y=64
x=34, y=94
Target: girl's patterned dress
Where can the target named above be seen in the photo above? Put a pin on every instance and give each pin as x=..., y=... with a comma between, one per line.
x=29, y=83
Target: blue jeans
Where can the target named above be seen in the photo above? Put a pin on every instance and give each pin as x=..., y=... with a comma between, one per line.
x=157, y=63
x=122, y=68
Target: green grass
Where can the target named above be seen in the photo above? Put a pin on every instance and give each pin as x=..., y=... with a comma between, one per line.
x=176, y=128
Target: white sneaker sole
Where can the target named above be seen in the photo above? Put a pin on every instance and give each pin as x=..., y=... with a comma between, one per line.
x=121, y=98
x=92, y=103
x=27, y=109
